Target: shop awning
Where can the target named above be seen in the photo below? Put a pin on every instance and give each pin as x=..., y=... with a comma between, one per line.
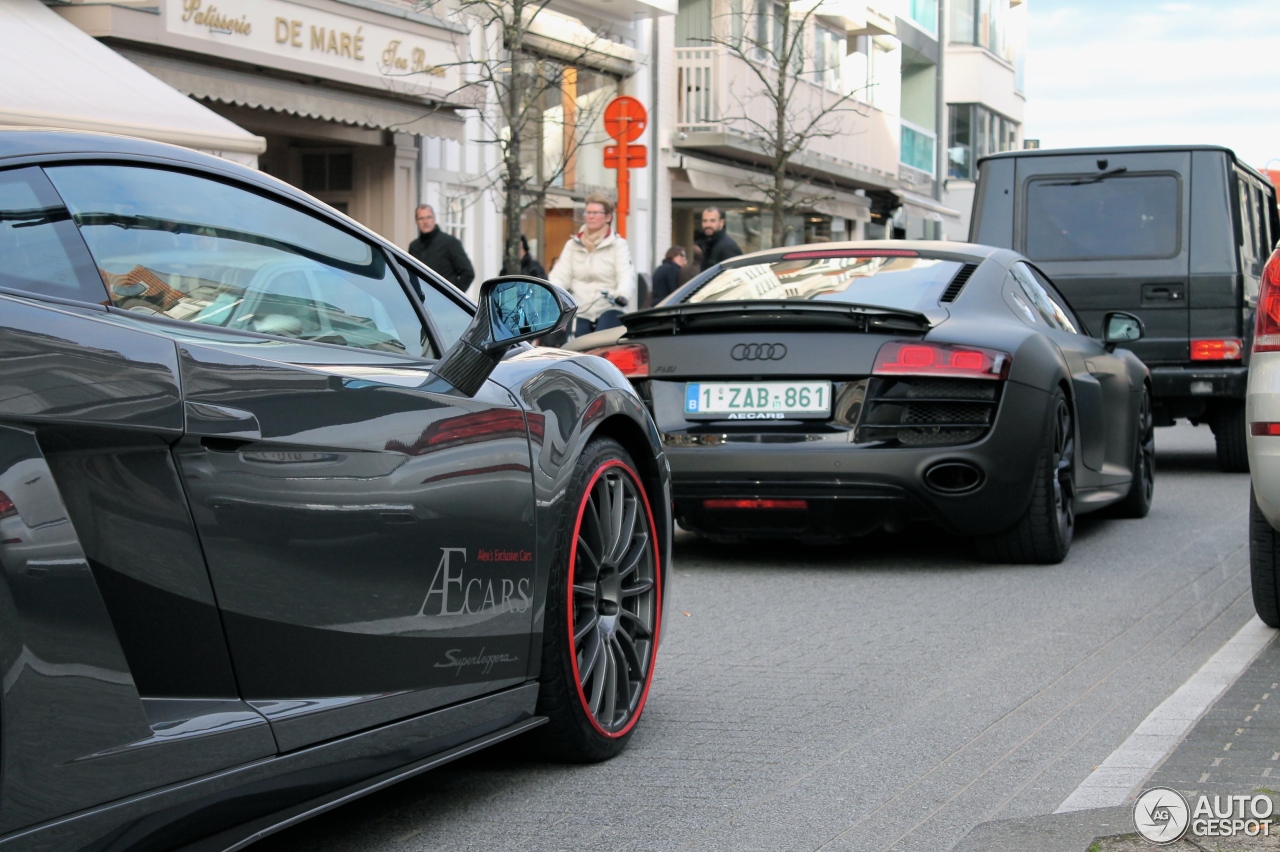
x=58, y=76
x=223, y=85
x=934, y=210
x=715, y=181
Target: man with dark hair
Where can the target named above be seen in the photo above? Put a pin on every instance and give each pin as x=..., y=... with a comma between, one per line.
x=440, y=251
x=691, y=269
x=528, y=263
x=666, y=278
x=716, y=244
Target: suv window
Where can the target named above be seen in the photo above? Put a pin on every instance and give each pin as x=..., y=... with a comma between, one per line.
x=40, y=251
x=1082, y=218
x=192, y=248
x=1042, y=302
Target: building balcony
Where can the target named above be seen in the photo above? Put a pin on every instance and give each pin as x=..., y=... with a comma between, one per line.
x=720, y=111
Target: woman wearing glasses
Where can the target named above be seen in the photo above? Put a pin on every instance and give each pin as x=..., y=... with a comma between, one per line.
x=596, y=268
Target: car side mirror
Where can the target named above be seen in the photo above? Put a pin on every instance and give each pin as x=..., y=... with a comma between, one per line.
x=512, y=309
x=1120, y=327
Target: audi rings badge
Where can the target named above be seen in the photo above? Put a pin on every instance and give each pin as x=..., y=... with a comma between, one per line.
x=758, y=352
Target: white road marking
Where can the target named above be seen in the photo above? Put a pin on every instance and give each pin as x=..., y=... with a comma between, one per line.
x=1119, y=776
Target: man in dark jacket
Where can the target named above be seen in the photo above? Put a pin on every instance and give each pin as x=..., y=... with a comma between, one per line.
x=717, y=246
x=529, y=264
x=440, y=251
x=666, y=278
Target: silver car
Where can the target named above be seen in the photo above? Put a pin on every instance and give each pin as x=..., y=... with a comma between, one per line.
x=1262, y=412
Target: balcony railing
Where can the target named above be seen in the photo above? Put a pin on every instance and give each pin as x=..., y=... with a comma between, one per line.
x=718, y=93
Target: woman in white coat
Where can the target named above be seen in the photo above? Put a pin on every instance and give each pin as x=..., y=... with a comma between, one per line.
x=596, y=268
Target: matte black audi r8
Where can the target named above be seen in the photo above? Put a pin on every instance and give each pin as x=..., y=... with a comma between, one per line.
x=822, y=392
x=283, y=517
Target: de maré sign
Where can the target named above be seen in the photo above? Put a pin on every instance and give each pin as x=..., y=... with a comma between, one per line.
x=336, y=42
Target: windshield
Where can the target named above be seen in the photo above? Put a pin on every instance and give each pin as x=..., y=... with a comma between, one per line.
x=891, y=282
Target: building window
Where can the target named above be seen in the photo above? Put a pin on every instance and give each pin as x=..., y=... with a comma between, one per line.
x=771, y=46
x=924, y=13
x=454, y=213
x=572, y=129
x=982, y=22
x=974, y=132
x=827, y=57
x=917, y=147
x=329, y=176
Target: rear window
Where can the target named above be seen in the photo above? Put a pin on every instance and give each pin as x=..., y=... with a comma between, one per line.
x=892, y=282
x=1124, y=216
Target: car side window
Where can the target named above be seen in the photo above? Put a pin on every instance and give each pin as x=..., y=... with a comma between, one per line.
x=192, y=248
x=40, y=251
x=1062, y=311
x=449, y=318
x=1054, y=315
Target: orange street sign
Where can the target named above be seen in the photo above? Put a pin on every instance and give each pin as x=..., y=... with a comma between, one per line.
x=637, y=156
x=625, y=118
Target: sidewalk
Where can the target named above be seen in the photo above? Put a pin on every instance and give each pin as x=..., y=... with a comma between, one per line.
x=1233, y=749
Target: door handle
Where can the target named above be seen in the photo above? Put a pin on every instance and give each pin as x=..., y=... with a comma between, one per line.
x=219, y=421
x=1163, y=292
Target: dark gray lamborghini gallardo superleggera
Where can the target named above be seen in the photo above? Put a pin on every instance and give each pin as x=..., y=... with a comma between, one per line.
x=284, y=517
x=822, y=392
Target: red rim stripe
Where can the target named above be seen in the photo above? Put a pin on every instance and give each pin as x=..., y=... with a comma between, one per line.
x=657, y=585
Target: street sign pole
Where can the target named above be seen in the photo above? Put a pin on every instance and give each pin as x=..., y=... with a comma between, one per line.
x=625, y=119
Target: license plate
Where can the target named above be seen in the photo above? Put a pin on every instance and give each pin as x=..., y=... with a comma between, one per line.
x=757, y=400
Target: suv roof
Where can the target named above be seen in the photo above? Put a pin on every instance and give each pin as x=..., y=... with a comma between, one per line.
x=1119, y=149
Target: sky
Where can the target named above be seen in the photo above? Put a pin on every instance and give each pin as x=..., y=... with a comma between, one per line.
x=1133, y=72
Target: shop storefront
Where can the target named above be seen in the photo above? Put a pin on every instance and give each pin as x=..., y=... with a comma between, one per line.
x=345, y=95
x=832, y=213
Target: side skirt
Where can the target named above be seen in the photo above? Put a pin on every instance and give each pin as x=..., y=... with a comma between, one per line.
x=230, y=809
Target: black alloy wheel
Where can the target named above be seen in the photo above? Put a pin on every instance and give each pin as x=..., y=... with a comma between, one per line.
x=1137, y=503
x=1043, y=534
x=603, y=612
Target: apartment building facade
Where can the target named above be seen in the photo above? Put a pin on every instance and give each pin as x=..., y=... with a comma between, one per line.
x=985, y=91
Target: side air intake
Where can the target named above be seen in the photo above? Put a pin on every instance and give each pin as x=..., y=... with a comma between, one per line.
x=957, y=283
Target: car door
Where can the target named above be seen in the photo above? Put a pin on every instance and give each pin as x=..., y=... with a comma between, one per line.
x=1098, y=380
x=368, y=531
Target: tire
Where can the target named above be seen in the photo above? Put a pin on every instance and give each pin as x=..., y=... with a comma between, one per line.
x=1043, y=534
x=1137, y=503
x=1229, y=429
x=1264, y=564
x=603, y=612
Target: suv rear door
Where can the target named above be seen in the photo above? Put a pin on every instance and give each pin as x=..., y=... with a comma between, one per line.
x=1112, y=231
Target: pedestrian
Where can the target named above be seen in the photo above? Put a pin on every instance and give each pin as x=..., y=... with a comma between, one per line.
x=717, y=245
x=528, y=263
x=440, y=251
x=666, y=278
x=596, y=268
x=691, y=269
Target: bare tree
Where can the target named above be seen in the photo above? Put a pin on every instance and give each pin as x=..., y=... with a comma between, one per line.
x=780, y=110
x=524, y=91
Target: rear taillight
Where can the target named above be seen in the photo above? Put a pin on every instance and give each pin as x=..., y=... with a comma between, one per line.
x=755, y=504
x=1226, y=349
x=7, y=509
x=1264, y=429
x=1266, y=337
x=917, y=358
x=631, y=358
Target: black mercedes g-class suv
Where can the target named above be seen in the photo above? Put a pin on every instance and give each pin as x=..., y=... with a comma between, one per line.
x=1175, y=234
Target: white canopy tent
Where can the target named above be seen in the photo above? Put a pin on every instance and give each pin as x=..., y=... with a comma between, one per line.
x=58, y=76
